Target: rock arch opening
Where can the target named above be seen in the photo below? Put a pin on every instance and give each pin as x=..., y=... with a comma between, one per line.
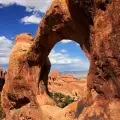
x=68, y=57
x=68, y=75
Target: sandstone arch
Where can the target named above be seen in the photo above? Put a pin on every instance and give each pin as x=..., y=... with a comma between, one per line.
x=97, y=30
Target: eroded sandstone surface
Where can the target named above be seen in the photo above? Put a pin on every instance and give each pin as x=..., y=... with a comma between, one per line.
x=2, y=82
x=95, y=25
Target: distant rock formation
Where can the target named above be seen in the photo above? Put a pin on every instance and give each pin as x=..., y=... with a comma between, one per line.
x=54, y=75
x=67, y=85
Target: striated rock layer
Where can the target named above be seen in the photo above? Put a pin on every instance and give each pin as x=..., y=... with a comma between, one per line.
x=95, y=25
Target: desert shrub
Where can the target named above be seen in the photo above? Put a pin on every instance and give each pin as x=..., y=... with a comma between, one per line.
x=61, y=99
x=19, y=78
x=69, y=100
x=62, y=105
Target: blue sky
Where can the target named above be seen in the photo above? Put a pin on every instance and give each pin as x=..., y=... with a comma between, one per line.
x=23, y=16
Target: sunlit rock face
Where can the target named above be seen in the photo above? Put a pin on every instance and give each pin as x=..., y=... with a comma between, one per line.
x=95, y=25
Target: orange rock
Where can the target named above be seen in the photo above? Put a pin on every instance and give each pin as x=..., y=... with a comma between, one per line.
x=54, y=75
x=95, y=25
x=67, y=76
x=25, y=37
x=68, y=85
x=23, y=82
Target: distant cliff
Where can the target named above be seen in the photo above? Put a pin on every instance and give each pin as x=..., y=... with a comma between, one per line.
x=67, y=84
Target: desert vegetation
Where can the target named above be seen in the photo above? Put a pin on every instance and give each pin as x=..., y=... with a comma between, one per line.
x=61, y=99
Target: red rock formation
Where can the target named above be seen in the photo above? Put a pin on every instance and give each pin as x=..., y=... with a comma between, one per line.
x=95, y=25
x=54, y=75
x=67, y=84
x=66, y=76
x=2, y=78
x=26, y=37
x=22, y=81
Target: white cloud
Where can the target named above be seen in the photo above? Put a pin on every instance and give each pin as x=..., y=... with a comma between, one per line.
x=59, y=58
x=66, y=41
x=77, y=44
x=63, y=51
x=34, y=6
x=33, y=19
x=5, y=48
x=29, y=9
x=66, y=62
x=31, y=5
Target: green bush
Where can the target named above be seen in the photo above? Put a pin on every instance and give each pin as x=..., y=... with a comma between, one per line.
x=61, y=99
x=62, y=105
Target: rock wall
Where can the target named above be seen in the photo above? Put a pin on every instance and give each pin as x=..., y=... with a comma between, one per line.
x=2, y=82
x=2, y=78
x=95, y=25
x=22, y=82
